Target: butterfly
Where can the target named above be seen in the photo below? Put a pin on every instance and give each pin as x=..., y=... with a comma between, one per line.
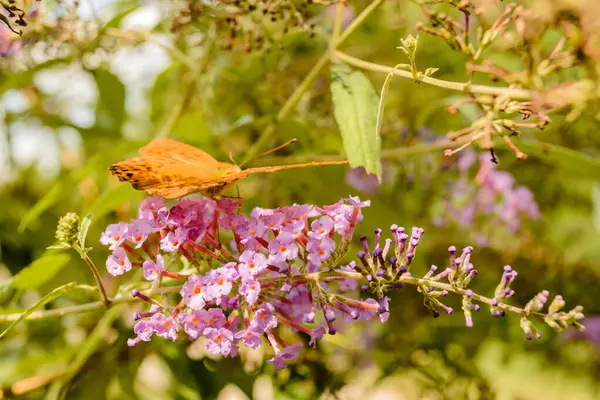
x=172, y=169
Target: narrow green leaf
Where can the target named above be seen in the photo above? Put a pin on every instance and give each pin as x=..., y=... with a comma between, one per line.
x=562, y=157
x=128, y=7
x=110, y=199
x=16, y=80
x=83, y=230
x=110, y=111
x=89, y=347
x=384, y=90
x=59, y=291
x=40, y=271
x=49, y=199
x=355, y=104
x=59, y=190
x=161, y=94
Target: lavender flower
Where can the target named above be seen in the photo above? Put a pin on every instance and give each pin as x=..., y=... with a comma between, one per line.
x=282, y=270
x=493, y=198
x=260, y=284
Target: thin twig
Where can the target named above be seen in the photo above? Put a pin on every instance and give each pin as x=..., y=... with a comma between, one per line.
x=461, y=87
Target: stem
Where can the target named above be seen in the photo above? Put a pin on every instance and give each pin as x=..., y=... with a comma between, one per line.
x=287, y=107
x=90, y=263
x=80, y=308
x=293, y=100
x=337, y=26
x=461, y=87
x=450, y=288
x=358, y=21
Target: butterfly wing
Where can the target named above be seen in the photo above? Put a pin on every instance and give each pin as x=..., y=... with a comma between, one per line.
x=171, y=178
x=169, y=148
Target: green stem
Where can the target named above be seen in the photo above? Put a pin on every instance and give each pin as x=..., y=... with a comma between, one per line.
x=81, y=308
x=453, y=289
x=289, y=105
x=461, y=87
x=358, y=21
x=293, y=100
x=90, y=263
x=337, y=26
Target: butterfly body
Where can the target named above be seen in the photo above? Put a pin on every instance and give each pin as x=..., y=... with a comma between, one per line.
x=172, y=169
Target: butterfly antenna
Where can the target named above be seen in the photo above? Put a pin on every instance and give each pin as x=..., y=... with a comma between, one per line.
x=231, y=158
x=275, y=149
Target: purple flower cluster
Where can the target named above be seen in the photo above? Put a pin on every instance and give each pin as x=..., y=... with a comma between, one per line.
x=492, y=198
x=277, y=270
x=282, y=268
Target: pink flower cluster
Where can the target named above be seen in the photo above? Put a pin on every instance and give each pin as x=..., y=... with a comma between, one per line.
x=277, y=270
x=493, y=197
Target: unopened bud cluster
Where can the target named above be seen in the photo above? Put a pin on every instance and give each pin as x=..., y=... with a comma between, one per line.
x=67, y=230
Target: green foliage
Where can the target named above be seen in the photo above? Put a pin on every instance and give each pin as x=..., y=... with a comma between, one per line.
x=40, y=271
x=110, y=111
x=239, y=79
x=59, y=291
x=355, y=109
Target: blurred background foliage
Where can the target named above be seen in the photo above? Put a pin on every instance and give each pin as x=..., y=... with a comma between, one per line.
x=88, y=83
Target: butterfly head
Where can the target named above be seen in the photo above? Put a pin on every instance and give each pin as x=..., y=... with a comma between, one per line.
x=226, y=169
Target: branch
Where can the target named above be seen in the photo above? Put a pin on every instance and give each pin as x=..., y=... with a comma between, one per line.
x=461, y=87
x=80, y=308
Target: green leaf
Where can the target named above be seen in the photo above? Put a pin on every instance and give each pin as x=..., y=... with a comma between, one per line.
x=59, y=190
x=91, y=344
x=110, y=110
x=83, y=230
x=570, y=160
x=59, y=291
x=50, y=198
x=17, y=80
x=109, y=200
x=381, y=107
x=162, y=92
x=355, y=103
x=128, y=7
x=40, y=271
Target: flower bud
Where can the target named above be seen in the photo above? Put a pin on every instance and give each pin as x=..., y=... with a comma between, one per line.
x=68, y=229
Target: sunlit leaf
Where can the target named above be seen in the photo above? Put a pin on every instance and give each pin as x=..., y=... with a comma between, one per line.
x=128, y=7
x=110, y=111
x=47, y=201
x=355, y=107
x=83, y=230
x=22, y=78
x=58, y=191
x=40, y=271
x=110, y=199
x=162, y=92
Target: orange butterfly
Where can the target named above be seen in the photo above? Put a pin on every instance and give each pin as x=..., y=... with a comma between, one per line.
x=172, y=169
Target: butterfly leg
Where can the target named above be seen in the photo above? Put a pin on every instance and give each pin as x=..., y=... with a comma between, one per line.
x=231, y=197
